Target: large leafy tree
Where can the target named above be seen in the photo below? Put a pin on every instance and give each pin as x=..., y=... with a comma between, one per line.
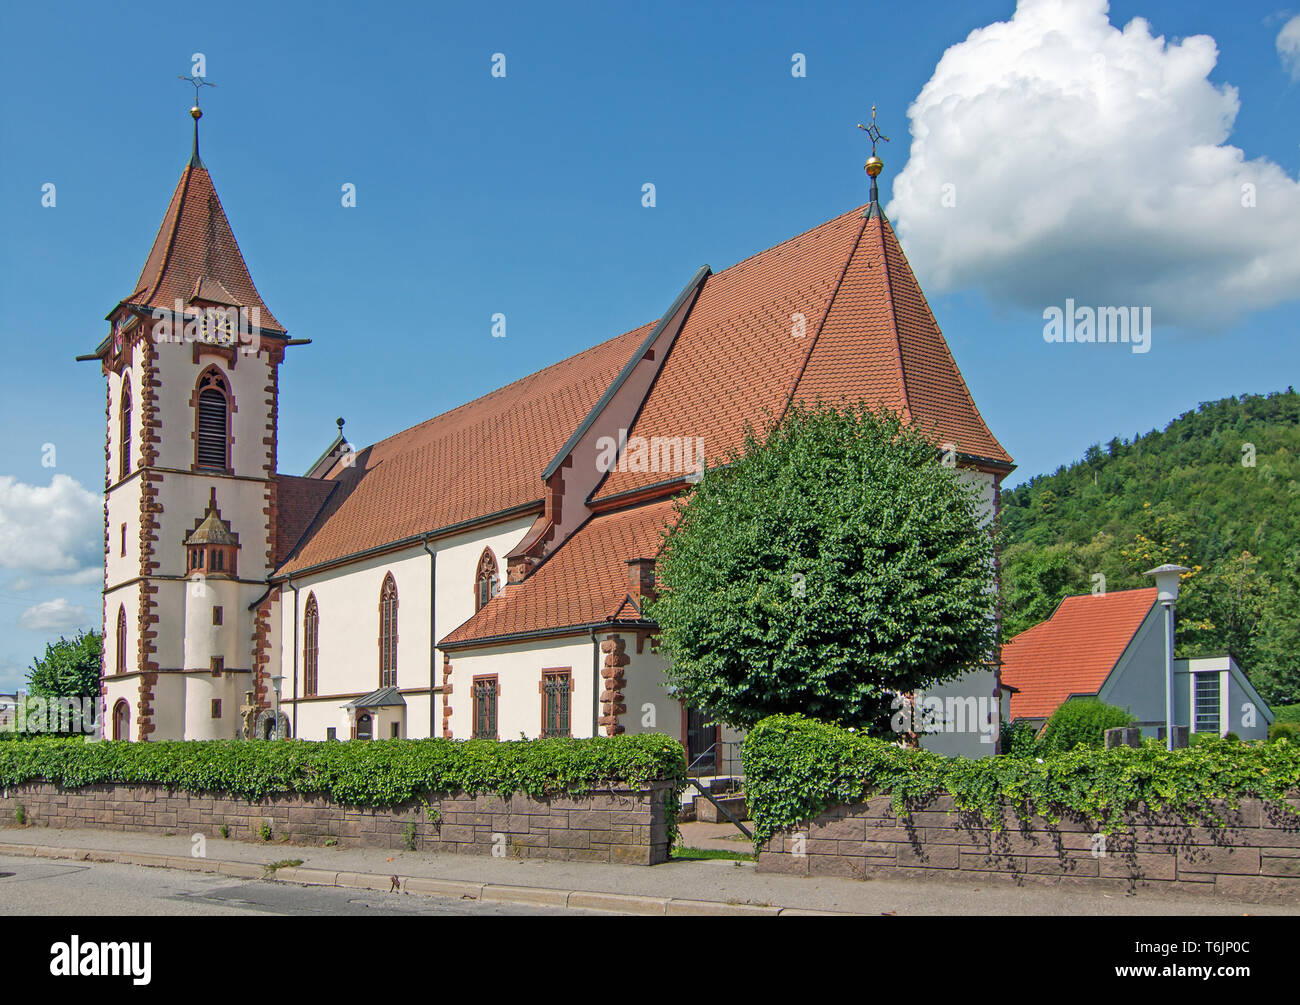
x=69, y=668
x=824, y=570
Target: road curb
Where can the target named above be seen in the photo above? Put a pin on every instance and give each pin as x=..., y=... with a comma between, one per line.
x=531, y=896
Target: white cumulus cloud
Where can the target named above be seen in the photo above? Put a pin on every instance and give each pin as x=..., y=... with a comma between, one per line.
x=1055, y=155
x=55, y=616
x=1288, y=46
x=57, y=528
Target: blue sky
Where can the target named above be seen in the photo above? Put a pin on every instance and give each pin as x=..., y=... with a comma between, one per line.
x=522, y=195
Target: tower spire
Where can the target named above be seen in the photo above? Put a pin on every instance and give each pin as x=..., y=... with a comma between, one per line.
x=874, y=164
x=196, y=113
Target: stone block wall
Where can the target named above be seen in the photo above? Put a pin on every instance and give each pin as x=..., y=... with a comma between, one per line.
x=1254, y=855
x=616, y=825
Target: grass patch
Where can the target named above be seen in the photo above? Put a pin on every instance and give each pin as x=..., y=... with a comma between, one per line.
x=704, y=854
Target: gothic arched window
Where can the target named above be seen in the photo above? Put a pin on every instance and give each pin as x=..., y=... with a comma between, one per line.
x=212, y=408
x=120, y=662
x=124, y=430
x=310, y=645
x=121, y=719
x=388, y=632
x=486, y=581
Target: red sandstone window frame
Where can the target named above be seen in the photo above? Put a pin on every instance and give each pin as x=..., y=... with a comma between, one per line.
x=487, y=579
x=485, y=686
x=119, y=663
x=562, y=723
x=388, y=632
x=121, y=719
x=124, y=429
x=310, y=646
x=212, y=378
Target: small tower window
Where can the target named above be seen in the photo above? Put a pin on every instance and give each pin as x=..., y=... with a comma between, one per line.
x=121, y=719
x=124, y=430
x=212, y=435
x=120, y=662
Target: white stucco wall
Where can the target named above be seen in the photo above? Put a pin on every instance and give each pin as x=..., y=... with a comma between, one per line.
x=518, y=669
x=347, y=599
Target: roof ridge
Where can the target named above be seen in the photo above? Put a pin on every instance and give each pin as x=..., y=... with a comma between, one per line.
x=178, y=197
x=938, y=329
x=879, y=217
x=788, y=240
x=821, y=325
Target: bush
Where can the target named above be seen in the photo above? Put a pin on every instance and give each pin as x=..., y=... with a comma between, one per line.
x=379, y=773
x=1284, y=731
x=796, y=767
x=1019, y=739
x=1081, y=720
x=1287, y=713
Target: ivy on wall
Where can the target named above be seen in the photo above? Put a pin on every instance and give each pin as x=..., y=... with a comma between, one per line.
x=797, y=767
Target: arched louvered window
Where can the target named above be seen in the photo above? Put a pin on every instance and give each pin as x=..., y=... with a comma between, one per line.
x=124, y=430
x=212, y=411
x=120, y=663
x=388, y=633
x=310, y=645
x=486, y=580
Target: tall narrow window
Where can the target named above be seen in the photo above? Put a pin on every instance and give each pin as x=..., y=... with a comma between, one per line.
x=310, y=645
x=388, y=633
x=124, y=431
x=120, y=662
x=485, y=708
x=557, y=685
x=486, y=582
x=212, y=435
x=1206, y=703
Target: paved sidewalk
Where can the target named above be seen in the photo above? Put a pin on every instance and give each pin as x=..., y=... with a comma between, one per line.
x=717, y=886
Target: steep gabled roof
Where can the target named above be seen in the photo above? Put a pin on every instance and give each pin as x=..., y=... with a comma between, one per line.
x=1073, y=651
x=834, y=314
x=582, y=584
x=483, y=458
x=195, y=255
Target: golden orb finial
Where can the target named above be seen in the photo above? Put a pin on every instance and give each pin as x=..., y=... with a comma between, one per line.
x=196, y=113
x=874, y=166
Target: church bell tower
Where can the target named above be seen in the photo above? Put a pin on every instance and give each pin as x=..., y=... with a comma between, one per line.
x=191, y=365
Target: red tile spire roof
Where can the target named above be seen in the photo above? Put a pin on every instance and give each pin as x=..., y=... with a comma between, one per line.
x=1073, y=651
x=195, y=255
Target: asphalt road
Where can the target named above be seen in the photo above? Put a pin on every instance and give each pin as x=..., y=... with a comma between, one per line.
x=44, y=887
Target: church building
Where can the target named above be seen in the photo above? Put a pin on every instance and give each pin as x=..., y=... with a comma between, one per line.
x=484, y=573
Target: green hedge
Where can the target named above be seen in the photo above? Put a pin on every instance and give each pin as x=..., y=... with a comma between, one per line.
x=379, y=773
x=796, y=767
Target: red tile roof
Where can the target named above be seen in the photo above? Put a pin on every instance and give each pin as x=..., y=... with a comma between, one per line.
x=298, y=500
x=1073, y=651
x=195, y=254
x=583, y=583
x=480, y=459
x=867, y=334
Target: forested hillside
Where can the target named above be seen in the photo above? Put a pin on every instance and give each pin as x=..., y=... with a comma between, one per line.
x=1218, y=490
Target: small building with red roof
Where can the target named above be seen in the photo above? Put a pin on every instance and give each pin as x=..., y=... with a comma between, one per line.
x=1111, y=646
